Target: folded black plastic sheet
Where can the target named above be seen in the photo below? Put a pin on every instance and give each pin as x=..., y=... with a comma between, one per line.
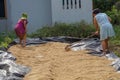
x=91, y=44
x=6, y=56
x=3, y=48
x=9, y=70
x=116, y=64
x=64, y=39
x=30, y=41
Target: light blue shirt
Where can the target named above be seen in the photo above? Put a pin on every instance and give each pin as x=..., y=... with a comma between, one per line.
x=106, y=28
x=102, y=19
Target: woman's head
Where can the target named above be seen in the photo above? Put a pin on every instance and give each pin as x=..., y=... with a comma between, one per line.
x=96, y=11
x=24, y=16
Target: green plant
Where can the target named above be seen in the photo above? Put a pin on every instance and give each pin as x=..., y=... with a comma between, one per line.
x=4, y=44
x=6, y=38
x=114, y=15
x=104, y=5
x=115, y=41
x=117, y=5
x=80, y=29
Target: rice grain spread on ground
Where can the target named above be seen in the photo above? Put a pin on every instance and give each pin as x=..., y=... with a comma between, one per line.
x=50, y=61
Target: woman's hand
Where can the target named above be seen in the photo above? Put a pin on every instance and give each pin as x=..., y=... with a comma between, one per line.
x=97, y=33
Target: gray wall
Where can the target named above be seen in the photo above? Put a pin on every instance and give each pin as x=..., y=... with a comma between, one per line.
x=71, y=15
x=3, y=25
x=44, y=12
x=39, y=13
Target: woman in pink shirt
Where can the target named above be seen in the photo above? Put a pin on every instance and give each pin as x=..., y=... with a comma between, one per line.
x=20, y=29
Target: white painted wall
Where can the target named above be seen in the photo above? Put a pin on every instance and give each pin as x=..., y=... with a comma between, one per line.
x=39, y=12
x=71, y=15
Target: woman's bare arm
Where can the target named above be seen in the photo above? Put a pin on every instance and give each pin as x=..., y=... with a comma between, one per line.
x=109, y=19
x=96, y=26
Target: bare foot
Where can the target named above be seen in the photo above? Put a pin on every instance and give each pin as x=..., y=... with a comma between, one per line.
x=24, y=45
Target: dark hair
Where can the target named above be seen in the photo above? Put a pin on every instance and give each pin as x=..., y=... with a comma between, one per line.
x=96, y=11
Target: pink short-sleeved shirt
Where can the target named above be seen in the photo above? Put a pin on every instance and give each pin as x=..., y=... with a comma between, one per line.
x=19, y=28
